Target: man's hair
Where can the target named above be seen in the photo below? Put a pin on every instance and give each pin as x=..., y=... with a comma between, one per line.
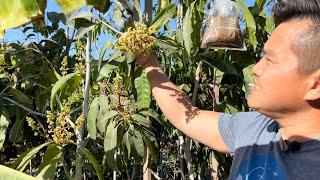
x=307, y=45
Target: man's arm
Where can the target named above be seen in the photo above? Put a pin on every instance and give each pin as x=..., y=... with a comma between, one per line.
x=176, y=105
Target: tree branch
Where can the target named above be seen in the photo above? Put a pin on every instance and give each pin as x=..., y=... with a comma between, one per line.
x=24, y=107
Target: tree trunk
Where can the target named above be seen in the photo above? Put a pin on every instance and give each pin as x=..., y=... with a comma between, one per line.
x=114, y=173
x=146, y=167
x=184, y=143
x=214, y=167
x=214, y=163
x=147, y=163
x=85, y=109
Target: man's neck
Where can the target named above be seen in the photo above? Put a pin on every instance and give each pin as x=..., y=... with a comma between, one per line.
x=300, y=126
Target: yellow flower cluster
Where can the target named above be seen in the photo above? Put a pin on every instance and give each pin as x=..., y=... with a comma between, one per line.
x=80, y=58
x=64, y=66
x=117, y=84
x=136, y=40
x=76, y=98
x=59, y=127
x=122, y=104
x=34, y=125
x=79, y=122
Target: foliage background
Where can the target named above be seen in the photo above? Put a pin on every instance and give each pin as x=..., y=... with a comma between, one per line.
x=43, y=82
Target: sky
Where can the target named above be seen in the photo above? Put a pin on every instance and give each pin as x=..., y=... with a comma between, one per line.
x=14, y=35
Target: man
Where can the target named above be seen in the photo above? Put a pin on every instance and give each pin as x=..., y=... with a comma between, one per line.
x=280, y=140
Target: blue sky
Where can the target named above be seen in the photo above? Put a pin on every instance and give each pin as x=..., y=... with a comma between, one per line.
x=13, y=35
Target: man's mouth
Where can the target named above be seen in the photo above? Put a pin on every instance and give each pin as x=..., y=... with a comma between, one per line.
x=253, y=87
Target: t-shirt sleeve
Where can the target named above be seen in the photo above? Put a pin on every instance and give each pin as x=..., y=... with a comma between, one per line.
x=244, y=125
x=226, y=130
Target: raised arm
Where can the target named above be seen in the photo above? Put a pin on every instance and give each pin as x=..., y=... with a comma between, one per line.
x=177, y=107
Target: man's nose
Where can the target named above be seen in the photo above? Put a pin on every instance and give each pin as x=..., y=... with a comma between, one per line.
x=257, y=68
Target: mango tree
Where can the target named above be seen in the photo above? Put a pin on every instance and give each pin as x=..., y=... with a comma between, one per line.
x=102, y=109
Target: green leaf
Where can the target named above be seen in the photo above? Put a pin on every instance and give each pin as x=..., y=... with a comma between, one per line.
x=185, y=87
x=24, y=159
x=120, y=59
x=2, y=32
x=117, y=16
x=17, y=128
x=137, y=142
x=108, y=26
x=126, y=141
x=168, y=44
x=105, y=47
x=116, y=54
x=129, y=8
x=188, y=29
x=101, y=124
x=93, y=161
x=130, y=57
x=55, y=18
x=104, y=108
x=4, y=123
x=101, y=5
x=82, y=31
x=82, y=23
x=250, y=22
x=1, y=103
x=58, y=85
x=68, y=6
x=224, y=66
x=106, y=70
x=270, y=25
x=151, y=143
x=163, y=17
x=141, y=120
x=104, y=105
x=16, y=13
x=112, y=160
x=80, y=20
x=230, y=109
x=8, y=173
x=136, y=4
x=92, y=118
x=41, y=97
x=143, y=91
x=164, y=4
x=110, y=138
x=110, y=143
x=48, y=167
x=19, y=96
x=259, y=4
x=248, y=79
x=152, y=113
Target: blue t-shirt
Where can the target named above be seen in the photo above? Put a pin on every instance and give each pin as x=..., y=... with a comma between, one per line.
x=255, y=143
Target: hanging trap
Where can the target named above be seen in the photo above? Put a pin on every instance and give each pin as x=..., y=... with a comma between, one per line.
x=222, y=30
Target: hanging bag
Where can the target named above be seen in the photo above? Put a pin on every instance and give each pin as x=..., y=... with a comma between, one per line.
x=222, y=29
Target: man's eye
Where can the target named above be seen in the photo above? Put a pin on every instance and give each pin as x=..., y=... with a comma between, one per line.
x=268, y=60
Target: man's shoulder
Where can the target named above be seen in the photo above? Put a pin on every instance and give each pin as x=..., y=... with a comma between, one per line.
x=243, y=129
x=251, y=127
x=252, y=122
x=249, y=118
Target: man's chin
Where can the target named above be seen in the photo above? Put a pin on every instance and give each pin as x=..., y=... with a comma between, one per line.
x=252, y=103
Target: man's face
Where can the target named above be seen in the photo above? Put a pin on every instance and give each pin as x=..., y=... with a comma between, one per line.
x=279, y=87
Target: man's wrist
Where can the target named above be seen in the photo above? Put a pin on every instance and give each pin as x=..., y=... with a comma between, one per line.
x=150, y=64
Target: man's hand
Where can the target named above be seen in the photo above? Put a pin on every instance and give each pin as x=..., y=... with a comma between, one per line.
x=147, y=60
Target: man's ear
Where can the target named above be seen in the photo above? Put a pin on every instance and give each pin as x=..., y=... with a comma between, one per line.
x=313, y=92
